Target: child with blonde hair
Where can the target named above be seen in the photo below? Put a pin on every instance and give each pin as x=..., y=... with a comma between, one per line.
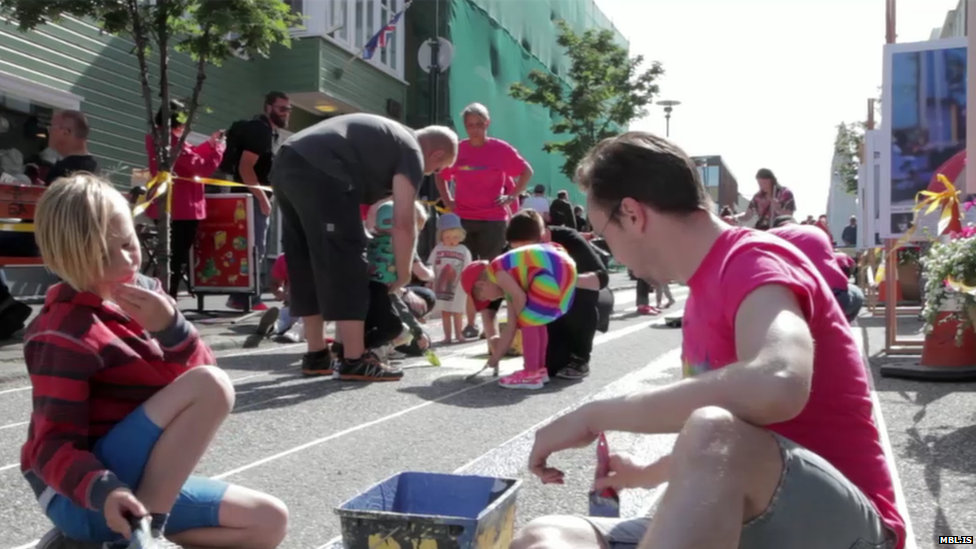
x=131, y=402
x=449, y=258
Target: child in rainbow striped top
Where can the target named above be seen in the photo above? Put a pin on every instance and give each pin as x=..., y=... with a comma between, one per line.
x=538, y=283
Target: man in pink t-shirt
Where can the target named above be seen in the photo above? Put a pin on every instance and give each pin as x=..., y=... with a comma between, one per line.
x=815, y=244
x=483, y=191
x=776, y=444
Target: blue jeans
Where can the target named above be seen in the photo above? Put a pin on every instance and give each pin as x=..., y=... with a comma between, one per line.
x=260, y=247
x=850, y=300
x=125, y=450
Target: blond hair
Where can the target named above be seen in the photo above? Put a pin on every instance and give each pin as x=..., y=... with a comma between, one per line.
x=475, y=109
x=71, y=226
x=442, y=232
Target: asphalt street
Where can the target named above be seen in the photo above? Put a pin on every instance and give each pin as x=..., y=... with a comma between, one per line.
x=315, y=443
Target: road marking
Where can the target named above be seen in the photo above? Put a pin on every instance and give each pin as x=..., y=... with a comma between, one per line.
x=889, y=454
x=599, y=340
x=668, y=358
x=11, y=425
x=285, y=347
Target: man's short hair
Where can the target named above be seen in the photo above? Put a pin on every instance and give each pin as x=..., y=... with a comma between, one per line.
x=646, y=168
x=563, y=194
x=76, y=121
x=525, y=226
x=272, y=97
x=441, y=138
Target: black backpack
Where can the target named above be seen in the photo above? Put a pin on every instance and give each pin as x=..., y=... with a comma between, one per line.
x=234, y=148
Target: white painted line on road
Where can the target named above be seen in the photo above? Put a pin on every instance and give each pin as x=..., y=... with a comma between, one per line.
x=12, y=425
x=670, y=357
x=599, y=340
x=889, y=454
x=11, y=466
x=286, y=347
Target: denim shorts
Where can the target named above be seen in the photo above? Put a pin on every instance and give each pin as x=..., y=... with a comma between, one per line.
x=125, y=450
x=814, y=506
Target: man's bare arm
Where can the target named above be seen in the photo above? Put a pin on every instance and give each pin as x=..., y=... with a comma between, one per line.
x=404, y=228
x=769, y=384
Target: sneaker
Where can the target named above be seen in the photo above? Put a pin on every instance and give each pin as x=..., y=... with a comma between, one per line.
x=647, y=310
x=266, y=325
x=54, y=539
x=368, y=368
x=524, y=379
x=575, y=370
x=318, y=364
x=470, y=332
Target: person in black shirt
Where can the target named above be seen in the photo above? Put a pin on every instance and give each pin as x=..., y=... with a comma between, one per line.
x=571, y=335
x=561, y=211
x=251, y=147
x=321, y=176
x=68, y=135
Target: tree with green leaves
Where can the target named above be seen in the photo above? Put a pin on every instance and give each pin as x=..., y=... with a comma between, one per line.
x=209, y=31
x=849, y=148
x=604, y=91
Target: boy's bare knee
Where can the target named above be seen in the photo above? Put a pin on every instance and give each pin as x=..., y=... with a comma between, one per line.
x=271, y=521
x=556, y=532
x=213, y=385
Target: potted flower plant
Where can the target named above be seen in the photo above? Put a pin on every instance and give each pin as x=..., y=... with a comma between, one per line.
x=950, y=269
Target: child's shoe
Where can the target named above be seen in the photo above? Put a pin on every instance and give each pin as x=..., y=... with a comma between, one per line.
x=524, y=379
x=285, y=321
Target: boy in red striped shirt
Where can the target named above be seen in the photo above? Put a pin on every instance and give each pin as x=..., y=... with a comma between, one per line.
x=125, y=401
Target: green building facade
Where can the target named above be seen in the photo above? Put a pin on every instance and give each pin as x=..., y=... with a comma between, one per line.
x=72, y=65
x=496, y=43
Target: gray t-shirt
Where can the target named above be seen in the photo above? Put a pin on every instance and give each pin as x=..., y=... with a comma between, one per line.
x=363, y=150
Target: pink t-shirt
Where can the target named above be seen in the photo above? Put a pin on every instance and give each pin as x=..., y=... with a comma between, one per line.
x=480, y=175
x=813, y=242
x=837, y=422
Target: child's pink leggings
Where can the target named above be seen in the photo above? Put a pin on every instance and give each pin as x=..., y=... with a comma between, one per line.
x=535, y=340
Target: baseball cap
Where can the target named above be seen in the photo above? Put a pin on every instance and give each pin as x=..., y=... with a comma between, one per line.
x=469, y=276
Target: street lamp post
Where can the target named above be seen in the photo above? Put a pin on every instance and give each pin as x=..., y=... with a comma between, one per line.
x=669, y=106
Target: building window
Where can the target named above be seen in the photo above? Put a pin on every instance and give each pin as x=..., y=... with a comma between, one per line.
x=337, y=19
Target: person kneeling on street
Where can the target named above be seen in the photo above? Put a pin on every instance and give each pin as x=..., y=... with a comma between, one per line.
x=572, y=333
x=133, y=399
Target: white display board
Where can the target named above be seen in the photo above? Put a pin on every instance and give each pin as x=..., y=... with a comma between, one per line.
x=924, y=117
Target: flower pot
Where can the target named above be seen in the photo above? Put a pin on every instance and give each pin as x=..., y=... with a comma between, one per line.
x=909, y=277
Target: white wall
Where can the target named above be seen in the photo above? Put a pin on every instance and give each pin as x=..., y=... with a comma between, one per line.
x=840, y=204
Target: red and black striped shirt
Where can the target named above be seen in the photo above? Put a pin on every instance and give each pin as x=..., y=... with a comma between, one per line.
x=90, y=366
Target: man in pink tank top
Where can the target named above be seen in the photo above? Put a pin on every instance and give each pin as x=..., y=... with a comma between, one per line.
x=776, y=444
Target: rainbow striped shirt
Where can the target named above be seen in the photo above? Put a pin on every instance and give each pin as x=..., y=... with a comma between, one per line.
x=548, y=276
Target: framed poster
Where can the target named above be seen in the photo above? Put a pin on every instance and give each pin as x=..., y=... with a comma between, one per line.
x=223, y=252
x=924, y=117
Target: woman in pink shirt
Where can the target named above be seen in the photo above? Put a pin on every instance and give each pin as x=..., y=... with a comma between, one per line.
x=483, y=190
x=816, y=245
x=189, y=201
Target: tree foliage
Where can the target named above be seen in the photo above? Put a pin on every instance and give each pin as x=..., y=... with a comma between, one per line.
x=606, y=91
x=209, y=31
x=849, y=147
x=199, y=28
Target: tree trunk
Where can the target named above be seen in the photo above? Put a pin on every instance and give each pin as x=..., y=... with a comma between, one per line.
x=161, y=150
